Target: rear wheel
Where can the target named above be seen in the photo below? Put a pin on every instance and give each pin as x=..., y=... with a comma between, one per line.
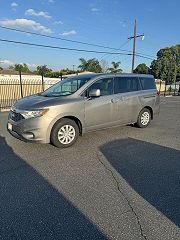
x=144, y=118
x=64, y=133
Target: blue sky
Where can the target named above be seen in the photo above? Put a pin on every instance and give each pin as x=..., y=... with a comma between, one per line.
x=104, y=22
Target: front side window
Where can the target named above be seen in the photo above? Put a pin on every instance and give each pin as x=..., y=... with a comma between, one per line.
x=105, y=85
x=65, y=87
x=126, y=84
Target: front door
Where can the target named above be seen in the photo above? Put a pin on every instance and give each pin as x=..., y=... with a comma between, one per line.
x=99, y=111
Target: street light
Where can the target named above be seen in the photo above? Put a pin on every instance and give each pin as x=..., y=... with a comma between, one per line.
x=142, y=38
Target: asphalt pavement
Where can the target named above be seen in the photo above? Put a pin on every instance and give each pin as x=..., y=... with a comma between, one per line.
x=122, y=183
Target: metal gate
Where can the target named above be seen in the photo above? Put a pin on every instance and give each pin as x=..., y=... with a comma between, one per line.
x=13, y=89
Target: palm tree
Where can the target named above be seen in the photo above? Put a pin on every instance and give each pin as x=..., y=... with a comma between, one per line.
x=115, y=67
x=21, y=68
x=91, y=65
x=83, y=64
x=42, y=70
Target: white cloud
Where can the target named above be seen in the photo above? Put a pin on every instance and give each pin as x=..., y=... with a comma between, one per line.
x=5, y=63
x=14, y=5
x=51, y=1
x=70, y=33
x=32, y=12
x=94, y=9
x=58, y=22
x=25, y=24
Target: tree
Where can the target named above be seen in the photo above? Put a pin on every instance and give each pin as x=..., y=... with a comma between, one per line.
x=21, y=67
x=11, y=67
x=83, y=64
x=104, y=65
x=1, y=68
x=91, y=65
x=43, y=70
x=178, y=73
x=115, y=67
x=67, y=71
x=142, y=69
x=167, y=65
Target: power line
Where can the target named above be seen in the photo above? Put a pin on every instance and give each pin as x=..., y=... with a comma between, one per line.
x=73, y=41
x=65, y=48
x=61, y=48
x=119, y=49
x=59, y=38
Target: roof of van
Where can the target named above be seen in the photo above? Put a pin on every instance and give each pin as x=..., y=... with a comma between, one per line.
x=91, y=75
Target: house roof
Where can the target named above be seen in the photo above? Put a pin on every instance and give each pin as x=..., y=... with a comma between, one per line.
x=12, y=72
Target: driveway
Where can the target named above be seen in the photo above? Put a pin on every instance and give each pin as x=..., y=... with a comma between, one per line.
x=121, y=183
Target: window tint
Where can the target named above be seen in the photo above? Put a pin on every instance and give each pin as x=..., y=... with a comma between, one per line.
x=147, y=83
x=105, y=85
x=126, y=84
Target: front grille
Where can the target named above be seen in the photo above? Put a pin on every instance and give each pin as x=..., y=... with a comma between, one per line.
x=16, y=116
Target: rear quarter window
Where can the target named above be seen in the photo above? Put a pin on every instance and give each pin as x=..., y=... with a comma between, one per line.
x=147, y=83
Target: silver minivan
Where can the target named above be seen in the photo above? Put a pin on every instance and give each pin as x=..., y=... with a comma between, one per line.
x=84, y=103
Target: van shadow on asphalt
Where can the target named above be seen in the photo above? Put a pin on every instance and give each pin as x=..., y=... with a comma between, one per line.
x=153, y=171
x=31, y=208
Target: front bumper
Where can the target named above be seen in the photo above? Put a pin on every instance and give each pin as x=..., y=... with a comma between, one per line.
x=30, y=130
x=16, y=135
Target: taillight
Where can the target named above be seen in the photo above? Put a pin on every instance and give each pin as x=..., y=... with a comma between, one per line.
x=158, y=93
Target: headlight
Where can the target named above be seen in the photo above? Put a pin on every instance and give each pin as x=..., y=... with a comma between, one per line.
x=34, y=114
x=12, y=107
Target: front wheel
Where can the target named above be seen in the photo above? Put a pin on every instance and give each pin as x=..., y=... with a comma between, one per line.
x=64, y=133
x=144, y=118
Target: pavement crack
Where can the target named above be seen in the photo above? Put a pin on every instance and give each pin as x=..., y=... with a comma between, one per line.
x=125, y=197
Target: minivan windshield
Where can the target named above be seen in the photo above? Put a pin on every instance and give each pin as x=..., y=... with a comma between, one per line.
x=66, y=87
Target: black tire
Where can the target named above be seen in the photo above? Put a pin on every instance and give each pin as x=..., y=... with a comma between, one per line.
x=57, y=131
x=147, y=115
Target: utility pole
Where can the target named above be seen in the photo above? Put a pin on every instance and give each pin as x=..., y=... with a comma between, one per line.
x=134, y=44
x=134, y=47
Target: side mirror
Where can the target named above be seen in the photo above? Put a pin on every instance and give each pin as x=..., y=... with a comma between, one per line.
x=95, y=93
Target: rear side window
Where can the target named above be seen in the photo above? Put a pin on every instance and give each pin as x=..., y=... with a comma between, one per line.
x=126, y=84
x=147, y=83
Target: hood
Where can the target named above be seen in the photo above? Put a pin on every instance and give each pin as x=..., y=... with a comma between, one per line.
x=38, y=102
